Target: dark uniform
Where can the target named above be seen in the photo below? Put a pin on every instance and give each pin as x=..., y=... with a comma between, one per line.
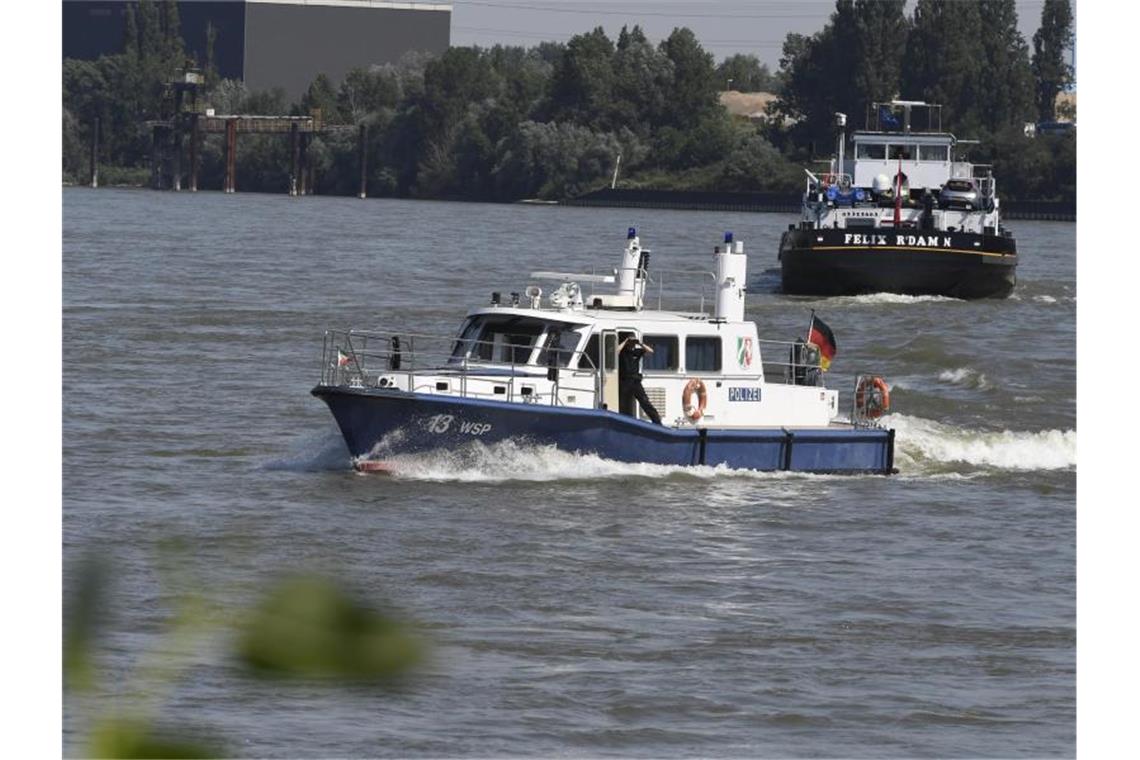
x=629, y=381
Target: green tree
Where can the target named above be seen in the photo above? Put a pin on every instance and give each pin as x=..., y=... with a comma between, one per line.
x=854, y=60
x=173, y=49
x=945, y=60
x=643, y=80
x=1006, y=92
x=321, y=96
x=1050, y=43
x=877, y=49
x=366, y=91
x=745, y=73
x=694, y=93
x=581, y=89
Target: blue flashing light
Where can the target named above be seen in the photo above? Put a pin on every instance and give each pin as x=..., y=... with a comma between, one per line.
x=631, y=234
x=859, y=194
x=728, y=237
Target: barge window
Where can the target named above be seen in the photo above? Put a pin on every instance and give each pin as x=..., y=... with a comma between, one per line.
x=905, y=152
x=664, y=356
x=863, y=150
x=702, y=354
x=934, y=153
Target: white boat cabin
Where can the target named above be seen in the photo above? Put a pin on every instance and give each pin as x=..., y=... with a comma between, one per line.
x=706, y=368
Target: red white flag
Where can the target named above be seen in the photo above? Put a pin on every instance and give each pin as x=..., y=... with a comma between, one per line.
x=342, y=358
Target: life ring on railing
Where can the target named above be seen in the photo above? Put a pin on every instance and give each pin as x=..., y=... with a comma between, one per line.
x=695, y=386
x=872, y=397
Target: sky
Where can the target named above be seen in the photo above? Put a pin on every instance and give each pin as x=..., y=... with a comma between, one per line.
x=724, y=27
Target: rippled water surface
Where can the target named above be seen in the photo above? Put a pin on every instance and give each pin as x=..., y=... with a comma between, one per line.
x=575, y=606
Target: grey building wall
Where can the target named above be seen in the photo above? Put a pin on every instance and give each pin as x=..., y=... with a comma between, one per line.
x=92, y=28
x=275, y=43
x=287, y=43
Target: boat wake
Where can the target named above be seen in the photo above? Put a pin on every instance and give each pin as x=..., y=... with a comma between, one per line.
x=926, y=446
x=511, y=460
x=965, y=377
x=876, y=299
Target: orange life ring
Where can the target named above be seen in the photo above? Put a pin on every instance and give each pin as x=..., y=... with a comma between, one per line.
x=697, y=386
x=872, y=397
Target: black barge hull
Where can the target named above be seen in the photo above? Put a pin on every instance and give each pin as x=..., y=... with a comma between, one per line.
x=838, y=262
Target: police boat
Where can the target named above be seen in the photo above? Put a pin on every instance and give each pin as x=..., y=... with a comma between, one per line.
x=906, y=215
x=547, y=370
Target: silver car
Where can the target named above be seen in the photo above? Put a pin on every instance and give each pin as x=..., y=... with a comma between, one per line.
x=959, y=193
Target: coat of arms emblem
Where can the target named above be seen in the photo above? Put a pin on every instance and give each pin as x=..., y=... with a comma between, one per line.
x=744, y=352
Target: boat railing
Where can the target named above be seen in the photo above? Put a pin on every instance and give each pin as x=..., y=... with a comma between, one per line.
x=798, y=362
x=702, y=302
x=434, y=363
x=818, y=183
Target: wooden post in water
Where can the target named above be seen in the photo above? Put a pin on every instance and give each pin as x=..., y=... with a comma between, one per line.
x=95, y=154
x=304, y=164
x=231, y=155
x=295, y=165
x=363, y=161
x=155, y=172
x=195, y=158
x=176, y=170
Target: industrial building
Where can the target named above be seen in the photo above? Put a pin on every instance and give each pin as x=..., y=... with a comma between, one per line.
x=274, y=43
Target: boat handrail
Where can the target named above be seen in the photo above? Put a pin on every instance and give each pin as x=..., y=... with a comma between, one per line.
x=802, y=366
x=351, y=358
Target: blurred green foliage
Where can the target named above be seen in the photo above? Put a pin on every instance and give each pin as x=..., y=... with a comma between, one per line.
x=303, y=627
x=310, y=627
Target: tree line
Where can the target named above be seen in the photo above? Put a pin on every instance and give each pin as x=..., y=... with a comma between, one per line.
x=550, y=121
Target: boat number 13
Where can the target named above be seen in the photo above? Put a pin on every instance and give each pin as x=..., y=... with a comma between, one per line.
x=441, y=423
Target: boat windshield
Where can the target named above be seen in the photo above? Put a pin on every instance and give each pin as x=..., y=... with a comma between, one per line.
x=510, y=339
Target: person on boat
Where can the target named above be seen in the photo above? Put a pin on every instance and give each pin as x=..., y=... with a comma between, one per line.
x=629, y=378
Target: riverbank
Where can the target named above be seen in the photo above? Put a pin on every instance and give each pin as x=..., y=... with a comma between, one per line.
x=698, y=200
x=1063, y=211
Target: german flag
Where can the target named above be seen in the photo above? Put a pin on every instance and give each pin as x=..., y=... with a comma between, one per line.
x=821, y=336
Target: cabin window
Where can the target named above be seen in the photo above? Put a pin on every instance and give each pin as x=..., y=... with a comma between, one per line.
x=562, y=341
x=863, y=150
x=934, y=153
x=665, y=354
x=904, y=152
x=590, y=358
x=498, y=339
x=702, y=354
x=467, y=337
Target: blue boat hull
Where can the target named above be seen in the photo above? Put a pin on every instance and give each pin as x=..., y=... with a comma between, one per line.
x=379, y=423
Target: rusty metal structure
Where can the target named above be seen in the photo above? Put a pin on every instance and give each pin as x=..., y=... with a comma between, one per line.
x=168, y=137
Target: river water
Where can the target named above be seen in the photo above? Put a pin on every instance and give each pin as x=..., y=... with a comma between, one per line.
x=574, y=606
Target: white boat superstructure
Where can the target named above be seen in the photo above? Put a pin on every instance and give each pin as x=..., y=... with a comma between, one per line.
x=709, y=368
